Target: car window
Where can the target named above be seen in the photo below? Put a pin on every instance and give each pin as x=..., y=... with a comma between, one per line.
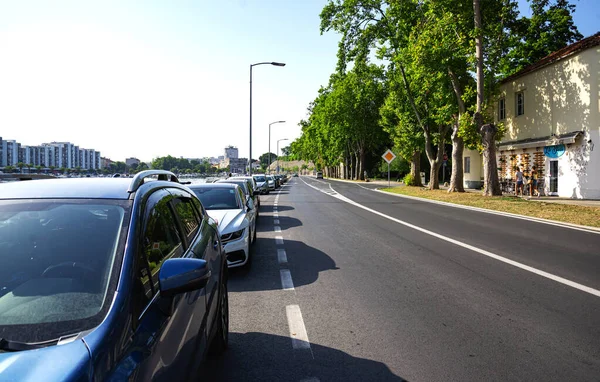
x=260, y=179
x=57, y=260
x=199, y=207
x=188, y=217
x=217, y=198
x=161, y=241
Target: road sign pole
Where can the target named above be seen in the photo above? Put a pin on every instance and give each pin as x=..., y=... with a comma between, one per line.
x=389, y=175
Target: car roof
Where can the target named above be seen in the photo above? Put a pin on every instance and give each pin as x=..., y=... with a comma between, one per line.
x=212, y=185
x=232, y=180
x=80, y=188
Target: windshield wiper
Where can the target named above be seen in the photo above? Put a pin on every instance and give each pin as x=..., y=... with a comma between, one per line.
x=9, y=345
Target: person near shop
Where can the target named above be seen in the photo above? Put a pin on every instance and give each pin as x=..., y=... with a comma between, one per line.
x=534, y=183
x=519, y=178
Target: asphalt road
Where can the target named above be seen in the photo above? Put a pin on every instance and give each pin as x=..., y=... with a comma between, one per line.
x=392, y=298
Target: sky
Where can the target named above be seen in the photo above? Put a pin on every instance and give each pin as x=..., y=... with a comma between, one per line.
x=156, y=78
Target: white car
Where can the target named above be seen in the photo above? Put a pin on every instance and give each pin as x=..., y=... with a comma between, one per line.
x=261, y=183
x=270, y=182
x=226, y=203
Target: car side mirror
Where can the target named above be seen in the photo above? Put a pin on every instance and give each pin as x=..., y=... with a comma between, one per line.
x=182, y=275
x=250, y=204
x=256, y=193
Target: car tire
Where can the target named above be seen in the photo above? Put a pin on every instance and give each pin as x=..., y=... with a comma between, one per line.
x=254, y=238
x=221, y=339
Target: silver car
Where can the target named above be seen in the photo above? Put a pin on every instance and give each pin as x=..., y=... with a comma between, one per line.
x=261, y=183
x=235, y=216
x=270, y=182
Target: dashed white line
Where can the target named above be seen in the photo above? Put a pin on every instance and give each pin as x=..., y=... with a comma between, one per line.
x=276, y=215
x=286, y=279
x=281, y=256
x=277, y=228
x=278, y=240
x=275, y=221
x=297, y=329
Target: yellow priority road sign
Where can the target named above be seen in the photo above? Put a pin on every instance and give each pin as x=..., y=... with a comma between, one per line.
x=388, y=156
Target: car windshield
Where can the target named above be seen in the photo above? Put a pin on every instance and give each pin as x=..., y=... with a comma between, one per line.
x=217, y=198
x=57, y=258
x=260, y=178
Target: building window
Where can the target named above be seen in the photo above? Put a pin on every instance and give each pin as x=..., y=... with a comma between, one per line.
x=467, y=166
x=520, y=99
x=501, y=109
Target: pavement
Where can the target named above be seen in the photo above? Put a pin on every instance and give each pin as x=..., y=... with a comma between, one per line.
x=348, y=284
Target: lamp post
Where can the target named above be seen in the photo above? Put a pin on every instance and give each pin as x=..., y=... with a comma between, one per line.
x=260, y=63
x=269, y=152
x=283, y=139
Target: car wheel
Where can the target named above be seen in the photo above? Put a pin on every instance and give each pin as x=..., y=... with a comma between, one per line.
x=221, y=339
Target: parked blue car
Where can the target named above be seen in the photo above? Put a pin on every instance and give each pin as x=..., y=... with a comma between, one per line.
x=108, y=279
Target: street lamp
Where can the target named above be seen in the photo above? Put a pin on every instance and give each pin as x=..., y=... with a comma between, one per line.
x=283, y=139
x=269, y=152
x=260, y=63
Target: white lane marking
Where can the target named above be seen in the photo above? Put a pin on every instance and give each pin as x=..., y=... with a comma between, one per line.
x=275, y=209
x=277, y=228
x=278, y=240
x=536, y=271
x=297, y=329
x=276, y=215
x=275, y=221
x=286, y=279
x=281, y=256
x=310, y=379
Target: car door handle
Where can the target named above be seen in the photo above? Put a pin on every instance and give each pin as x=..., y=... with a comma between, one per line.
x=216, y=244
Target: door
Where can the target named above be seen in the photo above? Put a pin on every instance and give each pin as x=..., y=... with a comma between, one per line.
x=204, y=244
x=166, y=334
x=209, y=248
x=554, y=177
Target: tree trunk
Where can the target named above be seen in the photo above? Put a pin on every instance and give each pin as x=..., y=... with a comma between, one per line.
x=458, y=143
x=345, y=173
x=356, y=166
x=457, y=177
x=491, y=183
x=415, y=168
x=478, y=53
x=362, y=164
x=434, y=176
x=435, y=161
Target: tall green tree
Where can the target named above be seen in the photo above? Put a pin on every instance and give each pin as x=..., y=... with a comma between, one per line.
x=264, y=159
x=550, y=28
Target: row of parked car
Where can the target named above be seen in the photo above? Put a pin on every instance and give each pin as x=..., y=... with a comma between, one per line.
x=120, y=278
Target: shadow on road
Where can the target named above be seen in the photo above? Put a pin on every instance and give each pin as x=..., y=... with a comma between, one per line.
x=305, y=263
x=266, y=357
x=285, y=222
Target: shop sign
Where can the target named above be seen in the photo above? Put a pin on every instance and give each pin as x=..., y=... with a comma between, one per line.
x=554, y=151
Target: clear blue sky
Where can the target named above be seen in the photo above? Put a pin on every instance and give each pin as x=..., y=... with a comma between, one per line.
x=153, y=78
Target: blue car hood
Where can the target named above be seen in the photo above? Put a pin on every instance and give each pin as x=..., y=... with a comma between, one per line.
x=54, y=363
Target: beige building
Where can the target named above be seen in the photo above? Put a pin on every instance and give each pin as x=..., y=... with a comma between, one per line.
x=551, y=114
